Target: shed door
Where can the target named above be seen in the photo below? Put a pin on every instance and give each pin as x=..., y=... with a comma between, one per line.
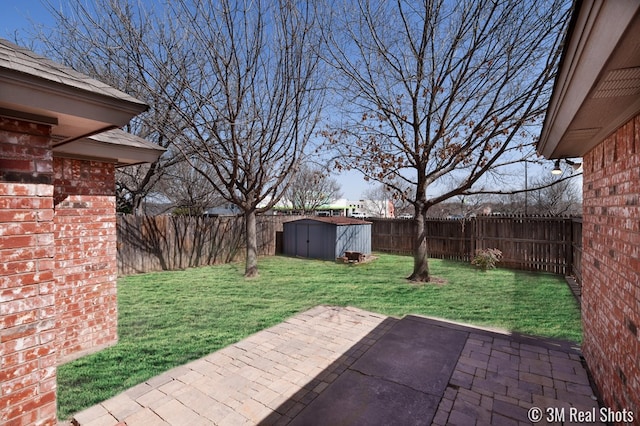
x=302, y=240
x=317, y=239
x=310, y=241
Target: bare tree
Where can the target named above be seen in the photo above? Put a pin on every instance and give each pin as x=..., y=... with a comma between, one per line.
x=233, y=84
x=376, y=200
x=399, y=194
x=311, y=188
x=439, y=91
x=137, y=50
x=547, y=194
x=187, y=190
x=252, y=99
x=556, y=197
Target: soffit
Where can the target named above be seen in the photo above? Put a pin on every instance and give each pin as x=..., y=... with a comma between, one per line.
x=598, y=84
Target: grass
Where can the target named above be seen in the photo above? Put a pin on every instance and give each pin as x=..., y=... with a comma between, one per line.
x=169, y=318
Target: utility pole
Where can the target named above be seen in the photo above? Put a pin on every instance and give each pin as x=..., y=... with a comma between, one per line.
x=526, y=189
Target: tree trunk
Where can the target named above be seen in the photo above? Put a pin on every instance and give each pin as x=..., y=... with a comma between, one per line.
x=420, y=251
x=251, y=267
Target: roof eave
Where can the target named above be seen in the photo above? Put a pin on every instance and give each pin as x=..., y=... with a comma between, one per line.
x=128, y=150
x=600, y=40
x=79, y=112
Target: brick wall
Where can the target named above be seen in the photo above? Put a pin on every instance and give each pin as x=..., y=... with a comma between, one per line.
x=86, y=268
x=27, y=313
x=611, y=267
x=25, y=152
x=57, y=270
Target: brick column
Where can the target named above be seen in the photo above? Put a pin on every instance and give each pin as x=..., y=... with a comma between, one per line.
x=27, y=310
x=86, y=253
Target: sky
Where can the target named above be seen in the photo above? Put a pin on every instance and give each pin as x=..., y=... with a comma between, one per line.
x=17, y=20
x=19, y=17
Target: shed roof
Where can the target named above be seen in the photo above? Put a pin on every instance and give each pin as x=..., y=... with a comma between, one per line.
x=335, y=220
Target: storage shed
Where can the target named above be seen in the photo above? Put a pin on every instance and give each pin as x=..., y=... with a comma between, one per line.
x=326, y=237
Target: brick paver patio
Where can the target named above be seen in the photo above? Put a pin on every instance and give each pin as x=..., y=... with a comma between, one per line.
x=293, y=371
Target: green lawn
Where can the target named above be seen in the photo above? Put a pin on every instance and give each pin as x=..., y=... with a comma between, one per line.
x=169, y=318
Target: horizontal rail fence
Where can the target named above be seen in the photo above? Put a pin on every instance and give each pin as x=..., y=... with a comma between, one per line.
x=156, y=243
x=549, y=244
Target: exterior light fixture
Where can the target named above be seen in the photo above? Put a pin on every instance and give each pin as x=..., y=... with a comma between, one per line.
x=575, y=166
x=558, y=171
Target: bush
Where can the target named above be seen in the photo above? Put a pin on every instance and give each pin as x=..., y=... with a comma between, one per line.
x=486, y=258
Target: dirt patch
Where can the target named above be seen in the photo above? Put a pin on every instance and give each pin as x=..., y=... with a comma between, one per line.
x=436, y=281
x=362, y=259
x=439, y=281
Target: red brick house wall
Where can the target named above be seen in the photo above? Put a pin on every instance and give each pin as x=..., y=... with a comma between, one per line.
x=57, y=223
x=85, y=260
x=611, y=266
x=27, y=281
x=57, y=267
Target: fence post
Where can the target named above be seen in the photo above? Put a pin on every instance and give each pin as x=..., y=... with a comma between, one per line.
x=472, y=237
x=570, y=248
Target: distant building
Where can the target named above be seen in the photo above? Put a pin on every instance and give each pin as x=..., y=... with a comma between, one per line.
x=343, y=207
x=227, y=209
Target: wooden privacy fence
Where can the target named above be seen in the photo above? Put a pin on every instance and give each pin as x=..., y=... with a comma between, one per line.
x=156, y=243
x=450, y=239
x=549, y=244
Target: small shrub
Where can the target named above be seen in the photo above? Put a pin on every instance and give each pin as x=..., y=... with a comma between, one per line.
x=486, y=258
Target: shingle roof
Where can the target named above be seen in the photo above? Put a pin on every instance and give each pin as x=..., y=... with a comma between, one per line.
x=337, y=220
x=24, y=61
x=112, y=145
x=120, y=137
